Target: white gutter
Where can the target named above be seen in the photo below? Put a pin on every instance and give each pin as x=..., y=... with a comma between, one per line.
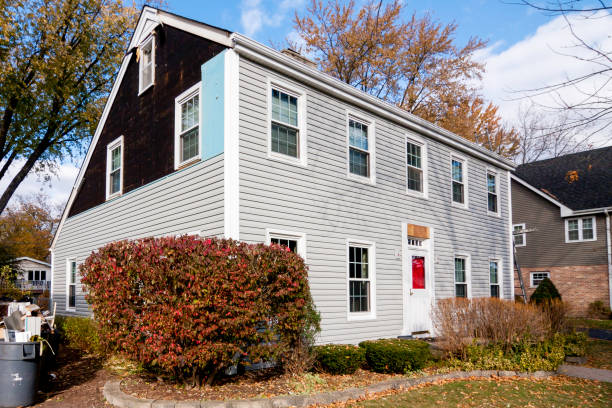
x=271, y=58
x=609, y=245
x=604, y=210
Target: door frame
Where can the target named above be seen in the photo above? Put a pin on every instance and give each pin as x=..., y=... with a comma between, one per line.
x=407, y=251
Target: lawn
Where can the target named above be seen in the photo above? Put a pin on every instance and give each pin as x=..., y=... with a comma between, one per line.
x=553, y=392
x=592, y=323
x=599, y=354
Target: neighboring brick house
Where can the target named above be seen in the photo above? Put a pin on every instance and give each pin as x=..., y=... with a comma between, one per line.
x=565, y=204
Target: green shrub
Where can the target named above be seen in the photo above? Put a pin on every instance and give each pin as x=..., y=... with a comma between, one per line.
x=575, y=344
x=598, y=310
x=339, y=358
x=545, y=292
x=395, y=355
x=79, y=333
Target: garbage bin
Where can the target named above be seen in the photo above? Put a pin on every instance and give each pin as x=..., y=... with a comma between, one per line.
x=19, y=372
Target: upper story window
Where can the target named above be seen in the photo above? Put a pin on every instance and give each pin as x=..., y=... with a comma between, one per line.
x=285, y=124
x=359, y=148
x=492, y=192
x=580, y=229
x=146, y=65
x=520, y=238
x=459, y=180
x=114, y=168
x=416, y=162
x=187, y=127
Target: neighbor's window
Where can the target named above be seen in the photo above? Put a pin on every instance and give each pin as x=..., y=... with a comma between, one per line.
x=147, y=65
x=43, y=275
x=580, y=229
x=494, y=278
x=187, y=128
x=285, y=125
x=461, y=288
x=359, y=148
x=72, y=278
x=520, y=238
x=114, y=168
x=414, y=161
x=458, y=180
x=492, y=191
x=538, y=277
x=359, y=279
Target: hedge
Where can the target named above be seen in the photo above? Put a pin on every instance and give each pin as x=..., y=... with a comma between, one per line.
x=339, y=358
x=193, y=307
x=395, y=355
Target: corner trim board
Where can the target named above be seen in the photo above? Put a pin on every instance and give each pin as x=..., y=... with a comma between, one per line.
x=231, y=146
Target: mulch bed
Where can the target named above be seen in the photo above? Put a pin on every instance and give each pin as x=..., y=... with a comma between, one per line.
x=259, y=384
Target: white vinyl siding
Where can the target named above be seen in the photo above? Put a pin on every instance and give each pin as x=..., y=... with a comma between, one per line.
x=187, y=127
x=580, y=229
x=146, y=65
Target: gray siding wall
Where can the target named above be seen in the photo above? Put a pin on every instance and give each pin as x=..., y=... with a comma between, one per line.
x=186, y=201
x=320, y=201
x=546, y=246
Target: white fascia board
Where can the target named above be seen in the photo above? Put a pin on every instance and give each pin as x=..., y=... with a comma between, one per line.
x=565, y=211
x=326, y=83
x=590, y=211
x=27, y=258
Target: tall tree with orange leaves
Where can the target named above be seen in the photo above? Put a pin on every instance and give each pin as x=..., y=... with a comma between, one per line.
x=414, y=64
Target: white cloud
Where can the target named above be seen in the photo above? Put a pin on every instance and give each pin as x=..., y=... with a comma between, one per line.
x=255, y=15
x=537, y=61
x=57, y=187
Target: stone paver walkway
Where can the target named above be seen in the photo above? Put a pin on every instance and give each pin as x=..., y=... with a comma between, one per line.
x=588, y=373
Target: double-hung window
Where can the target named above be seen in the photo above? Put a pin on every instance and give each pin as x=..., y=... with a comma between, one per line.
x=146, y=65
x=520, y=238
x=461, y=276
x=580, y=229
x=360, y=280
x=114, y=168
x=71, y=282
x=359, y=148
x=459, y=181
x=285, y=130
x=187, y=126
x=416, y=156
x=492, y=194
x=494, y=278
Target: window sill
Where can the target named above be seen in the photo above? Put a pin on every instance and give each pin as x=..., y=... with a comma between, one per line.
x=459, y=205
x=187, y=163
x=418, y=194
x=141, y=91
x=296, y=161
x=113, y=196
x=580, y=240
x=361, y=316
x=361, y=179
x=493, y=214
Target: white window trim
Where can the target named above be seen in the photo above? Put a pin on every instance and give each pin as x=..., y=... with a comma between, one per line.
x=500, y=276
x=524, y=235
x=580, y=239
x=414, y=139
x=145, y=43
x=371, y=315
x=371, y=124
x=468, y=273
x=531, y=284
x=464, y=169
x=178, y=101
x=109, y=148
x=292, y=90
x=494, y=172
x=283, y=234
x=68, y=272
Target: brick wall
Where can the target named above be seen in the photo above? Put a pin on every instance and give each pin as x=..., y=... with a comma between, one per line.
x=578, y=285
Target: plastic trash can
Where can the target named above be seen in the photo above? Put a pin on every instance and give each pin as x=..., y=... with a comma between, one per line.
x=19, y=372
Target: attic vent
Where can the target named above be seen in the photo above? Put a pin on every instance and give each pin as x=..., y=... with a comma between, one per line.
x=298, y=57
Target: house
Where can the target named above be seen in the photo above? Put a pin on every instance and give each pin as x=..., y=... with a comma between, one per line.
x=209, y=132
x=566, y=203
x=34, y=275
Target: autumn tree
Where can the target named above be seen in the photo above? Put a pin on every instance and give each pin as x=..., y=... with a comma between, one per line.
x=414, y=64
x=57, y=61
x=26, y=229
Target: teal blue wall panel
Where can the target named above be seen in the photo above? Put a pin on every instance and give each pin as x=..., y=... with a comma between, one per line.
x=212, y=106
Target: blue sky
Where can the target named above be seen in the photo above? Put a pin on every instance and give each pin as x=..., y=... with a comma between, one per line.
x=493, y=20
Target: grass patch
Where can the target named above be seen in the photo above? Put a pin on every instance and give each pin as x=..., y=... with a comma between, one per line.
x=599, y=354
x=592, y=323
x=553, y=392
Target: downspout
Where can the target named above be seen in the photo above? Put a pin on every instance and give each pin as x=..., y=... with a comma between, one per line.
x=609, y=245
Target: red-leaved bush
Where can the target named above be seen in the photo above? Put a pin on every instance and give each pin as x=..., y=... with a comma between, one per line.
x=192, y=307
